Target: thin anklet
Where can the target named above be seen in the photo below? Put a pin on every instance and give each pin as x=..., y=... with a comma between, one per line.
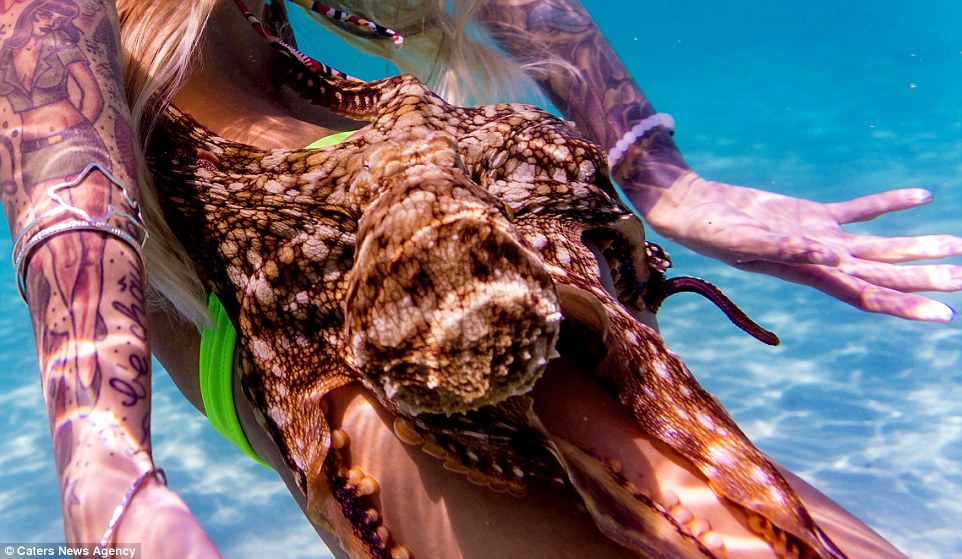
x=637, y=132
x=121, y=509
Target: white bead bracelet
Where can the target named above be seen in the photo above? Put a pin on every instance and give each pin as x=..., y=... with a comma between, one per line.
x=638, y=131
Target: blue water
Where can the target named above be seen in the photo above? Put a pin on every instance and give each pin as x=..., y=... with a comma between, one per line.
x=824, y=101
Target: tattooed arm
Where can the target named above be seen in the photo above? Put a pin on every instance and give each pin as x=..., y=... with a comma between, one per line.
x=84, y=286
x=797, y=240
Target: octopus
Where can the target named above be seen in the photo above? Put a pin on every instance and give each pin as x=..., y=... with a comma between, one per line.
x=440, y=257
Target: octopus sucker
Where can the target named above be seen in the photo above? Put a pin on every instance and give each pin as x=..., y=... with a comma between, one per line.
x=339, y=439
x=447, y=262
x=405, y=431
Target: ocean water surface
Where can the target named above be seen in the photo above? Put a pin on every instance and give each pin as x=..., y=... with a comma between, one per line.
x=824, y=101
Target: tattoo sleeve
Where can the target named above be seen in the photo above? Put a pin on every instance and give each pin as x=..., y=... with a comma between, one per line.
x=571, y=60
x=59, y=114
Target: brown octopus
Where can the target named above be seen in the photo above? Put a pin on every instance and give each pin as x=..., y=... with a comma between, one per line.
x=437, y=256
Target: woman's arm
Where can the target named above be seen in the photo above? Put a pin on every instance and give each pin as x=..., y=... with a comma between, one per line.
x=572, y=61
x=797, y=240
x=69, y=200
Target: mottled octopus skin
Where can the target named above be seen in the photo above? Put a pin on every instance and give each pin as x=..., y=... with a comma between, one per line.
x=376, y=259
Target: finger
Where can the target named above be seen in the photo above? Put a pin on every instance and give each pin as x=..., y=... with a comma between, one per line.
x=857, y=292
x=905, y=249
x=871, y=206
x=932, y=277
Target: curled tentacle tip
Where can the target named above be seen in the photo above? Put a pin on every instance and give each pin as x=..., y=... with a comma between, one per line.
x=706, y=289
x=765, y=336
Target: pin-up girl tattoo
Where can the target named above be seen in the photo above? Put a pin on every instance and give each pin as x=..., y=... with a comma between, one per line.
x=47, y=81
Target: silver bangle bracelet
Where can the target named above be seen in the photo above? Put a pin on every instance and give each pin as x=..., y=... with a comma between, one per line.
x=20, y=256
x=45, y=226
x=121, y=509
x=638, y=131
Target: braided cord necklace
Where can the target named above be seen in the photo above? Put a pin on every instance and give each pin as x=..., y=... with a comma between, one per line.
x=300, y=58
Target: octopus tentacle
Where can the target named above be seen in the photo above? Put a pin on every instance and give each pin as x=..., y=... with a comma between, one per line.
x=670, y=404
x=650, y=293
x=631, y=518
x=492, y=447
x=470, y=444
x=660, y=289
x=357, y=518
x=617, y=250
x=351, y=490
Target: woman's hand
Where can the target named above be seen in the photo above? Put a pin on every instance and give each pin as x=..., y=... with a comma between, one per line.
x=155, y=515
x=104, y=479
x=802, y=241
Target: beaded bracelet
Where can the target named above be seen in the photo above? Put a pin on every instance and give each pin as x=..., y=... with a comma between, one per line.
x=638, y=131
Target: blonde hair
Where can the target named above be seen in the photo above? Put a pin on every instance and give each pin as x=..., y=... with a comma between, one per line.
x=160, y=40
x=442, y=47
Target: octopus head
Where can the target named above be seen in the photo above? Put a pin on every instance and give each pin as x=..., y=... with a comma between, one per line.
x=448, y=309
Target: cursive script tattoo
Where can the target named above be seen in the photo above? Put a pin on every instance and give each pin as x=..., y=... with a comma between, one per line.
x=134, y=305
x=133, y=390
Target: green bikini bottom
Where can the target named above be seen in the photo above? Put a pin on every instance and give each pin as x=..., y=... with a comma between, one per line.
x=217, y=377
x=217, y=345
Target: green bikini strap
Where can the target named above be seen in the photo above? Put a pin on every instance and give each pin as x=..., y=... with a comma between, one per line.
x=217, y=378
x=332, y=140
